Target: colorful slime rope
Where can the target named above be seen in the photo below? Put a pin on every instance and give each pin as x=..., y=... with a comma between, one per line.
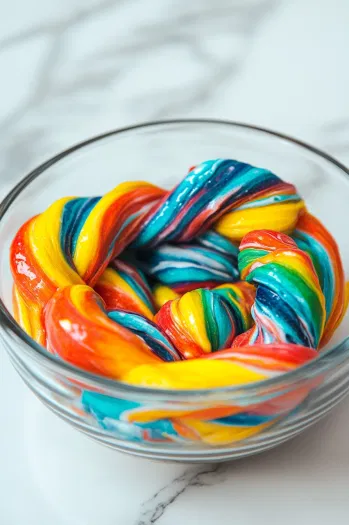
x=213, y=425
x=312, y=237
x=212, y=314
x=204, y=321
x=82, y=332
x=289, y=305
x=229, y=195
x=186, y=267
x=122, y=286
x=72, y=242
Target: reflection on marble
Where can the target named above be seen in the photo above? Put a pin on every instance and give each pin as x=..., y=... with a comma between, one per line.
x=71, y=69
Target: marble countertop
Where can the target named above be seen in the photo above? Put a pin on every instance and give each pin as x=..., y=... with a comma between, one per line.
x=75, y=68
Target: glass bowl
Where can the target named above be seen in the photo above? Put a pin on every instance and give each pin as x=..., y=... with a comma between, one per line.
x=120, y=415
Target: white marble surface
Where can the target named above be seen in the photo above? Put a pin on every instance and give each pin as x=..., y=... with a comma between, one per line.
x=74, y=68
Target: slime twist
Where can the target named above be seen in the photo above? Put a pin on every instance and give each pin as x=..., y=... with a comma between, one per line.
x=312, y=237
x=213, y=315
x=231, y=196
x=125, y=287
x=185, y=267
x=72, y=242
x=203, y=321
x=81, y=331
x=214, y=425
x=289, y=305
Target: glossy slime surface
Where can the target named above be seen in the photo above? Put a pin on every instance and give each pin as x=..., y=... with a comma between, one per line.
x=193, y=288
x=289, y=305
x=204, y=321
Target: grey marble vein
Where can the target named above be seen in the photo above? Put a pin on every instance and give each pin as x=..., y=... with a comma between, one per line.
x=154, y=508
x=243, y=20
x=29, y=132
x=56, y=26
x=21, y=147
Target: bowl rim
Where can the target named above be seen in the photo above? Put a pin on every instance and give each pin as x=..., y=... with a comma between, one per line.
x=327, y=359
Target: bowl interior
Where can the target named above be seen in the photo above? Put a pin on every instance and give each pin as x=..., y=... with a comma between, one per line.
x=162, y=153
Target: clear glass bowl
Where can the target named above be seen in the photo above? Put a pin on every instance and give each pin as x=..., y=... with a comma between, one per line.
x=161, y=152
